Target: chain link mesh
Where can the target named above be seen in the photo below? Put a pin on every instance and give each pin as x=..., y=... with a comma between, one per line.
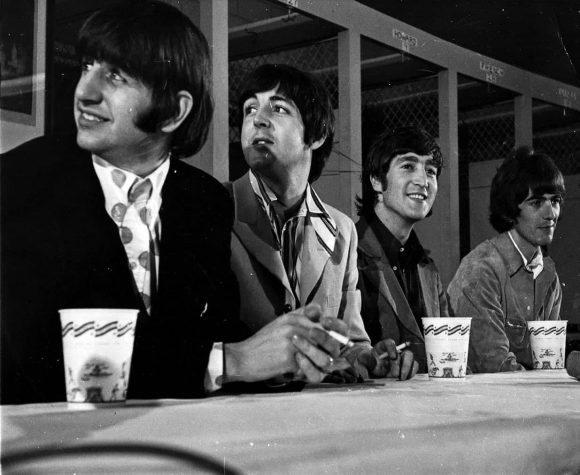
x=321, y=59
x=486, y=133
x=561, y=141
x=389, y=107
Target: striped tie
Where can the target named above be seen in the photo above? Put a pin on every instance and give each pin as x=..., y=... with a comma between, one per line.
x=292, y=237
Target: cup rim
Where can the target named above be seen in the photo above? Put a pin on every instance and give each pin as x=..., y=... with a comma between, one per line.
x=97, y=314
x=64, y=311
x=446, y=319
x=547, y=322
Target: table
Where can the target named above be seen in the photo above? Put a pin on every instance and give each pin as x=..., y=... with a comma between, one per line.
x=524, y=422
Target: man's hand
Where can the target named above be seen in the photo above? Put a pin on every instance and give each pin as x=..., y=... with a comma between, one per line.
x=384, y=361
x=293, y=344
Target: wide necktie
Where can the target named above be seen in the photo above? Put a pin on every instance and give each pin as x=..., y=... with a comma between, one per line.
x=134, y=219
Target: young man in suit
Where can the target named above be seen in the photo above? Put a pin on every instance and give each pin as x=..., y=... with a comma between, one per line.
x=289, y=249
x=399, y=282
x=506, y=280
x=142, y=102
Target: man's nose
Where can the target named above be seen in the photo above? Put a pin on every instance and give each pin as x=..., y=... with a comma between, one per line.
x=90, y=86
x=262, y=117
x=421, y=177
x=551, y=210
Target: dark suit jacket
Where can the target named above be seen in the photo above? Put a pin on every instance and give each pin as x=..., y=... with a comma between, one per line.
x=60, y=249
x=385, y=310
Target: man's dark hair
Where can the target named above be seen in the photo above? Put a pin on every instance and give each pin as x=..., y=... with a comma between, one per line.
x=159, y=46
x=311, y=98
x=522, y=171
x=408, y=139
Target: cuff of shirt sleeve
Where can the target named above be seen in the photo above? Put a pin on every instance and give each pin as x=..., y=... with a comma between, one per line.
x=214, y=374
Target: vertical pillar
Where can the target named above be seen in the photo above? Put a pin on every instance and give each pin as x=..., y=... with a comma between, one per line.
x=214, y=156
x=446, y=209
x=524, y=134
x=349, y=105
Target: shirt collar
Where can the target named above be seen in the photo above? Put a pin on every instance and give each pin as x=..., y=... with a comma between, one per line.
x=312, y=208
x=407, y=255
x=115, y=193
x=157, y=176
x=536, y=265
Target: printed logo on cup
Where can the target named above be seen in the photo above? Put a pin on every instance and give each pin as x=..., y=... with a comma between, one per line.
x=548, y=343
x=97, y=347
x=447, y=345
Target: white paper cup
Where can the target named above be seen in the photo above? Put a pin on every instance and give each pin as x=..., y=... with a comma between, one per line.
x=446, y=347
x=97, y=346
x=548, y=343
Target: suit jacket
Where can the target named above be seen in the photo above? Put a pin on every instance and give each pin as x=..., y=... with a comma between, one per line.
x=385, y=310
x=265, y=291
x=60, y=249
x=492, y=287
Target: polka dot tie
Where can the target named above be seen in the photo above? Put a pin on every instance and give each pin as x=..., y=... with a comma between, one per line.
x=134, y=220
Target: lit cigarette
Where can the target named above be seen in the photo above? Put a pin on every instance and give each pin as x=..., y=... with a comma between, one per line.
x=340, y=338
x=399, y=348
x=402, y=346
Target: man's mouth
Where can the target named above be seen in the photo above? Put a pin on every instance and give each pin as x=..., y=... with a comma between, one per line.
x=88, y=117
x=262, y=141
x=417, y=196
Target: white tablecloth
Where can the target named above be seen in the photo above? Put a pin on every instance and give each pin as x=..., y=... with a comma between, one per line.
x=526, y=422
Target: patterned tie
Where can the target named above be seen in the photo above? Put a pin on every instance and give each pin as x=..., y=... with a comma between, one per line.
x=134, y=219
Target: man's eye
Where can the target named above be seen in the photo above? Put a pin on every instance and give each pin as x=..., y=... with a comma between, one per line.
x=86, y=64
x=557, y=200
x=431, y=171
x=279, y=109
x=116, y=76
x=249, y=110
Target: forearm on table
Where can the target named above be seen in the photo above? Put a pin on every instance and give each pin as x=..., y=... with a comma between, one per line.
x=510, y=364
x=236, y=365
x=350, y=313
x=490, y=346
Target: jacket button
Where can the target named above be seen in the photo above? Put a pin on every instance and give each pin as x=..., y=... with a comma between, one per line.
x=287, y=308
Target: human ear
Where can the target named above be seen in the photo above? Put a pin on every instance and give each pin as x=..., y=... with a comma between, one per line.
x=376, y=184
x=185, y=106
x=317, y=143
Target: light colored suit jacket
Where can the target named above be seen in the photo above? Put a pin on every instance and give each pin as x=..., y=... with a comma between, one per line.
x=265, y=292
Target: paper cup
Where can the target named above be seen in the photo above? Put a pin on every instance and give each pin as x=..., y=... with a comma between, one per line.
x=446, y=347
x=97, y=346
x=548, y=343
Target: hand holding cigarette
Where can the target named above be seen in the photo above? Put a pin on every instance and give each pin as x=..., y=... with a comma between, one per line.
x=399, y=348
x=343, y=340
x=394, y=361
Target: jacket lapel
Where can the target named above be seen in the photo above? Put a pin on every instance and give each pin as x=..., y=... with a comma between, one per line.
x=253, y=229
x=426, y=277
x=386, y=281
x=89, y=238
x=313, y=260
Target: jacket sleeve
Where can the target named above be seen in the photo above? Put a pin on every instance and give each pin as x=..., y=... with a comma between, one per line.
x=350, y=306
x=444, y=310
x=476, y=292
x=555, y=300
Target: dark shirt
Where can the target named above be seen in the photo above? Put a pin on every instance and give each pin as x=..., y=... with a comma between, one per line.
x=403, y=260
